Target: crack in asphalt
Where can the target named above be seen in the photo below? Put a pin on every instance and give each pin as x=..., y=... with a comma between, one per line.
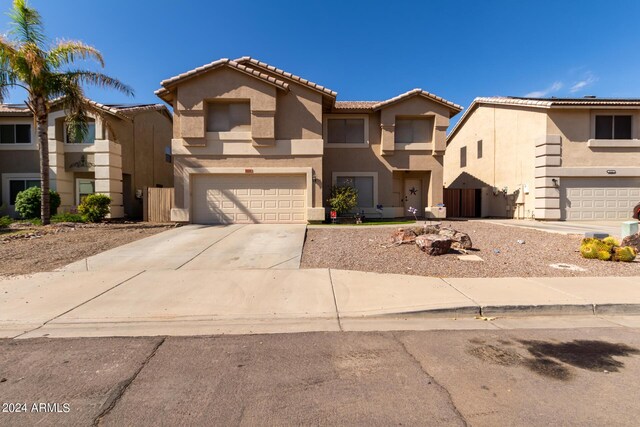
x=119, y=390
x=432, y=380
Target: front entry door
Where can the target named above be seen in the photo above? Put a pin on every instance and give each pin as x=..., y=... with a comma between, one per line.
x=413, y=196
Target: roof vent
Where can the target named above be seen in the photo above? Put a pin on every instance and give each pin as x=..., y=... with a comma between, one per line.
x=590, y=96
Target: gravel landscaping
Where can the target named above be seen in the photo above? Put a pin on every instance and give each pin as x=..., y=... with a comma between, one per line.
x=367, y=249
x=29, y=249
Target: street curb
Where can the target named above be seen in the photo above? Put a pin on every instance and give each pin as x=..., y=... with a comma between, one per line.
x=454, y=312
x=617, y=309
x=538, y=310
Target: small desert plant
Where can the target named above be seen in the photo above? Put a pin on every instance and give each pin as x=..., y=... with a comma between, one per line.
x=95, y=207
x=607, y=249
x=5, y=221
x=68, y=217
x=624, y=254
x=28, y=202
x=604, y=255
x=343, y=198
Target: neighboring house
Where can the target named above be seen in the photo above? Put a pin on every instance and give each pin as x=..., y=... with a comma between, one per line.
x=253, y=143
x=552, y=158
x=127, y=148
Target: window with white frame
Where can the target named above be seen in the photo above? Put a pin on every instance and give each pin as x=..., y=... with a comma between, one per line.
x=84, y=187
x=409, y=130
x=89, y=137
x=15, y=134
x=228, y=117
x=613, y=127
x=16, y=185
x=363, y=184
x=346, y=131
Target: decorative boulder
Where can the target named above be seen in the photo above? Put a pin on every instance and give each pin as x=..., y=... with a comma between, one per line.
x=633, y=241
x=434, y=244
x=460, y=240
x=403, y=235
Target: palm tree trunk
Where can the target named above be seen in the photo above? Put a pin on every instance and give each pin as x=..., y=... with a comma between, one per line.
x=42, y=122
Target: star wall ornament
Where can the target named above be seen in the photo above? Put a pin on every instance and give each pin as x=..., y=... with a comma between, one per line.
x=413, y=191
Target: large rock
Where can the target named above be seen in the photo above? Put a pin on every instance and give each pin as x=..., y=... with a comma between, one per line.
x=403, y=235
x=460, y=240
x=633, y=241
x=434, y=244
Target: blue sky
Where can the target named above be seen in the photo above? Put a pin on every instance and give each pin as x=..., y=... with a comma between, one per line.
x=367, y=50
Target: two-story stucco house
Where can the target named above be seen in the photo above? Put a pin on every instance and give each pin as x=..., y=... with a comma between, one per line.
x=254, y=143
x=552, y=158
x=127, y=148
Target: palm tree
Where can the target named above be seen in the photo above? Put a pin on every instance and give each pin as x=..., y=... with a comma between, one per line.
x=46, y=72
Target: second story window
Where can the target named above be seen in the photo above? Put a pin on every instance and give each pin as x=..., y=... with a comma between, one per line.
x=228, y=117
x=479, y=147
x=89, y=138
x=346, y=131
x=412, y=130
x=463, y=157
x=613, y=127
x=15, y=134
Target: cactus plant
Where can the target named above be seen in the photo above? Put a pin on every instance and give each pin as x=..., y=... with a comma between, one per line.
x=624, y=254
x=610, y=240
x=604, y=255
x=589, y=250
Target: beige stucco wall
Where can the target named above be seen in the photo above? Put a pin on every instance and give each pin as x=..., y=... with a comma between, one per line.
x=576, y=127
x=509, y=136
x=143, y=141
x=427, y=165
x=295, y=118
x=18, y=159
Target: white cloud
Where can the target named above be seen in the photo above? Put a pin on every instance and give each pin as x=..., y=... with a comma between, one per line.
x=587, y=81
x=556, y=86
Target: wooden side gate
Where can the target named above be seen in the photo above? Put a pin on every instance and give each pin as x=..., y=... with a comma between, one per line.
x=462, y=202
x=159, y=202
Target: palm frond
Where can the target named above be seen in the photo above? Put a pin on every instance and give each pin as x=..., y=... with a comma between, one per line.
x=99, y=80
x=26, y=23
x=67, y=51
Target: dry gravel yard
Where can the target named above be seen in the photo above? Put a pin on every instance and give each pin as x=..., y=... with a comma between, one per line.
x=60, y=244
x=363, y=248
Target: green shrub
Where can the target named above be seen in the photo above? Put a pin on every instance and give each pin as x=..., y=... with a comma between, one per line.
x=95, y=207
x=343, y=198
x=5, y=221
x=28, y=202
x=68, y=217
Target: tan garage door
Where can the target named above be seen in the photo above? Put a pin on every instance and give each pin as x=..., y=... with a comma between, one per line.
x=225, y=199
x=598, y=198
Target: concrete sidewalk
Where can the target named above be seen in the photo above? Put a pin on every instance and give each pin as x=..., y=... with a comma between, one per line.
x=197, y=302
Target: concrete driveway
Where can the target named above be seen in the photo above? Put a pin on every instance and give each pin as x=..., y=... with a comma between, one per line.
x=199, y=247
x=563, y=227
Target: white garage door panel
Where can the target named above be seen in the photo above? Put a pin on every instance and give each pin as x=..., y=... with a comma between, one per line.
x=225, y=199
x=599, y=198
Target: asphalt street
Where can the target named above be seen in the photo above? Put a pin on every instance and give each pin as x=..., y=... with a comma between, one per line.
x=585, y=376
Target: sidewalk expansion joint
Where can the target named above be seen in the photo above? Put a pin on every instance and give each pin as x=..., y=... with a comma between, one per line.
x=432, y=380
x=335, y=301
x=80, y=305
x=121, y=388
x=205, y=249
